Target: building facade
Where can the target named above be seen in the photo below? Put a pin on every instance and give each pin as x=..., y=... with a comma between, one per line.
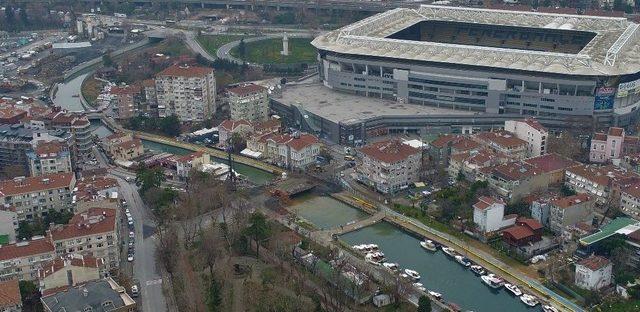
x=22, y=260
x=488, y=215
x=126, y=100
x=188, y=92
x=49, y=157
x=593, y=273
x=531, y=131
x=249, y=102
x=389, y=166
x=567, y=211
x=33, y=197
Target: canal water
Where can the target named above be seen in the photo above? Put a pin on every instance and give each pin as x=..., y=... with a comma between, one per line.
x=325, y=212
x=254, y=175
x=66, y=97
x=439, y=272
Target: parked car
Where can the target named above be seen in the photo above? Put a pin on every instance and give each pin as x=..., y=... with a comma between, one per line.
x=130, y=257
x=134, y=291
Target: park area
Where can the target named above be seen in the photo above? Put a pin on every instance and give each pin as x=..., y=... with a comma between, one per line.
x=211, y=43
x=268, y=51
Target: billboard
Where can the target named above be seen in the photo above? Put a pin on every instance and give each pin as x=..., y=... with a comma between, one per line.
x=626, y=88
x=605, y=96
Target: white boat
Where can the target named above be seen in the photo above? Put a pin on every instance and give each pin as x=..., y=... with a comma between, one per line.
x=513, y=289
x=374, y=258
x=462, y=260
x=419, y=287
x=428, y=245
x=449, y=251
x=436, y=295
x=412, y=274
x=549, y=308
x=529, y=300
x=478, y=270
x=394, y=267
x=491, y=281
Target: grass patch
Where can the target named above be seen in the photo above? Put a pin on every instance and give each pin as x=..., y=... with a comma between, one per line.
x=268, y=51
x=91, y=88
x=419, y=215
x=619, y=306
x=211, y=43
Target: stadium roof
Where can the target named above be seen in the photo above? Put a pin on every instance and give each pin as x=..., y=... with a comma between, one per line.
x=621, y=225
x=614, y=50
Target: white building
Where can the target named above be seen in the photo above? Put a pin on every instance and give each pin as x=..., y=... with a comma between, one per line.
x=488, y=214
x=49, y=157
x=8, y=222
x=292, y=150
x=186, y=163
x=593, y=273
x=33, y=196
x=630, y=200
x=389, y=166
x=188, y=92
x=567, y=211
x=249, y=102
x=23, y=259
x=531, y=131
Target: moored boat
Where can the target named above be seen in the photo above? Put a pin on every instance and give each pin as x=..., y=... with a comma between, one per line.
x=394, y=267
x=374, y=257
x=412, y=274
x=449, y=251
x=478, y=270
x=491, y=281
x=436, y=295
x=529, y=300
x=462, y=260
x=549, y=308
x=419, y=287
x=513, y=289
x=428, y=245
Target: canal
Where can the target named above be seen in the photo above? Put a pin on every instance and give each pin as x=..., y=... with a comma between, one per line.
x=439, y=272
x=68, y=94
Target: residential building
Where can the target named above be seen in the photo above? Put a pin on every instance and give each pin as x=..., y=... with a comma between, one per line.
x=188, y=92
x=567, y=211
x=126, y=100
x=10, y=298
x=503, y=142
x=70, y=270
x=470, y=163
x=100, y=295
x=612, y=145
x=49, y=157
x=228, y=128
x=17, y=140
x=630, y=200
x=96, y=192
x=553, y=166
x=439, y=150
x=34, y=196
x=23, y=259
x=8, y=224
x=603, y=182
x=248, y=102
x=531, y=131
x=186, y=163
x=540, y=211
x=93, y=232
x=11, y=115
x=294, y=151
x=149, y=105
x=488, y=215
x=593, y=273
x=524, y=232
x=389, y=166
x=78, y=125
x=123, y=146
x=514, y=180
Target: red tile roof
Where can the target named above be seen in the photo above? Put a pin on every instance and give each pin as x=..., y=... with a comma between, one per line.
x=189, y=157
x=566, y=202
x=41, y=245
x=116, y=135
x=60, y=263
x=615, y=131
x=551, y=162
x=390, y=151
x=148, y=83
x=535, y=124
x=465, y=144
x=185, y=71
x=231, y=125
x=595, y=263
x=599, y=137
x=24, y=185
x=485, y=202
x=633, y=190
x=44, y=149
x=89, y=187
x=518, y=232
x=297, y=144
x=10, y=294
x=11, y=112
x=125, y=90
x=501, y=138
x=93, y=221
x=443, y=140
x=130, y=144
x=246, y=89
x=601, y=175
x=532, y=224
x=514, y=171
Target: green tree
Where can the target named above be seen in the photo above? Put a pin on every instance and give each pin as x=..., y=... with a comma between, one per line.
x=107, y=60
x=258, y=229
x=242, y=48
x=24, y=19
x=147, y=178
x=10, y=18
x=237, y=143
x=170, y=126
x=214, y=296
x=424, y=304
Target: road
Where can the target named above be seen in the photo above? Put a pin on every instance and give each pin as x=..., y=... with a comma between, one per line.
x=224, y=51
x=144, y=265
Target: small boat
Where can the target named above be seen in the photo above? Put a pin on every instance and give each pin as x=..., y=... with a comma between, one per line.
x=462, y=260
x=374, y=258
x=478, y=270
x=491, y=281
x=419, y=287
x=549, y=308
x=394, y=267
x=529, y=300
x=76, y=95
x=513, y=289
x=412, y=274
x=449, y=251
x=428, y=245
x=436, y=295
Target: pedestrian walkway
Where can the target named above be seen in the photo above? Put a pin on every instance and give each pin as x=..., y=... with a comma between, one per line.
x=343, y=229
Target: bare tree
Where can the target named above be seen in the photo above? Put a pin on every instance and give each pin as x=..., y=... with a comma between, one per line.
x=168, y=251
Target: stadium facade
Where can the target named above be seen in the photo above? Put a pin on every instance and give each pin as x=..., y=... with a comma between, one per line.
x=490, y=62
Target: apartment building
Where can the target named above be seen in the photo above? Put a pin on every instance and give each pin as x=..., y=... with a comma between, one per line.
x=593, y=273
x=186, y=163
x=10, y=298
x=93, y=233
x=8, y=224
x=16, y=141
x=294, y=151
x=123, y=146
x=69, y=270
x=470, y=163
x=630, y=200
x=33, y=196
x=125, y=100
x=568, y=211
x=503, y=142
x=96, y=192
x=188, y=92
x=22, y=260
x=389, y=166
x=149, y=105
x=531, y=131
x=488, y=215
x=49, y=157
x=11, y=115
x=78, y=125
x=228, y=127
x=603, y=182
x=99, y=295
x=614, y=144
x=249, y=102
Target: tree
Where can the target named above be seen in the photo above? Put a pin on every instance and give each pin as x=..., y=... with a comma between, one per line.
x=24, y=19
x=168, y=251
x=258, y=229
x=30, y=296
x=566, y=145
x=170, y=126
x=107, y=60
x=214, y=296
x=424, y=304
x=237, y=142
x=146, y=178
x=242, y=48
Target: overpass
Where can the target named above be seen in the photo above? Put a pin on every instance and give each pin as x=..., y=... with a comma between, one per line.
x=328, y=5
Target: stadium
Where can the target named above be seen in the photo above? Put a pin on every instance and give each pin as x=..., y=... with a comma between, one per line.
x=478, y=67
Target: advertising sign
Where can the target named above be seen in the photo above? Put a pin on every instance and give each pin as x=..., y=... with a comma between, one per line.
x=625, y=88
x=605, y=96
